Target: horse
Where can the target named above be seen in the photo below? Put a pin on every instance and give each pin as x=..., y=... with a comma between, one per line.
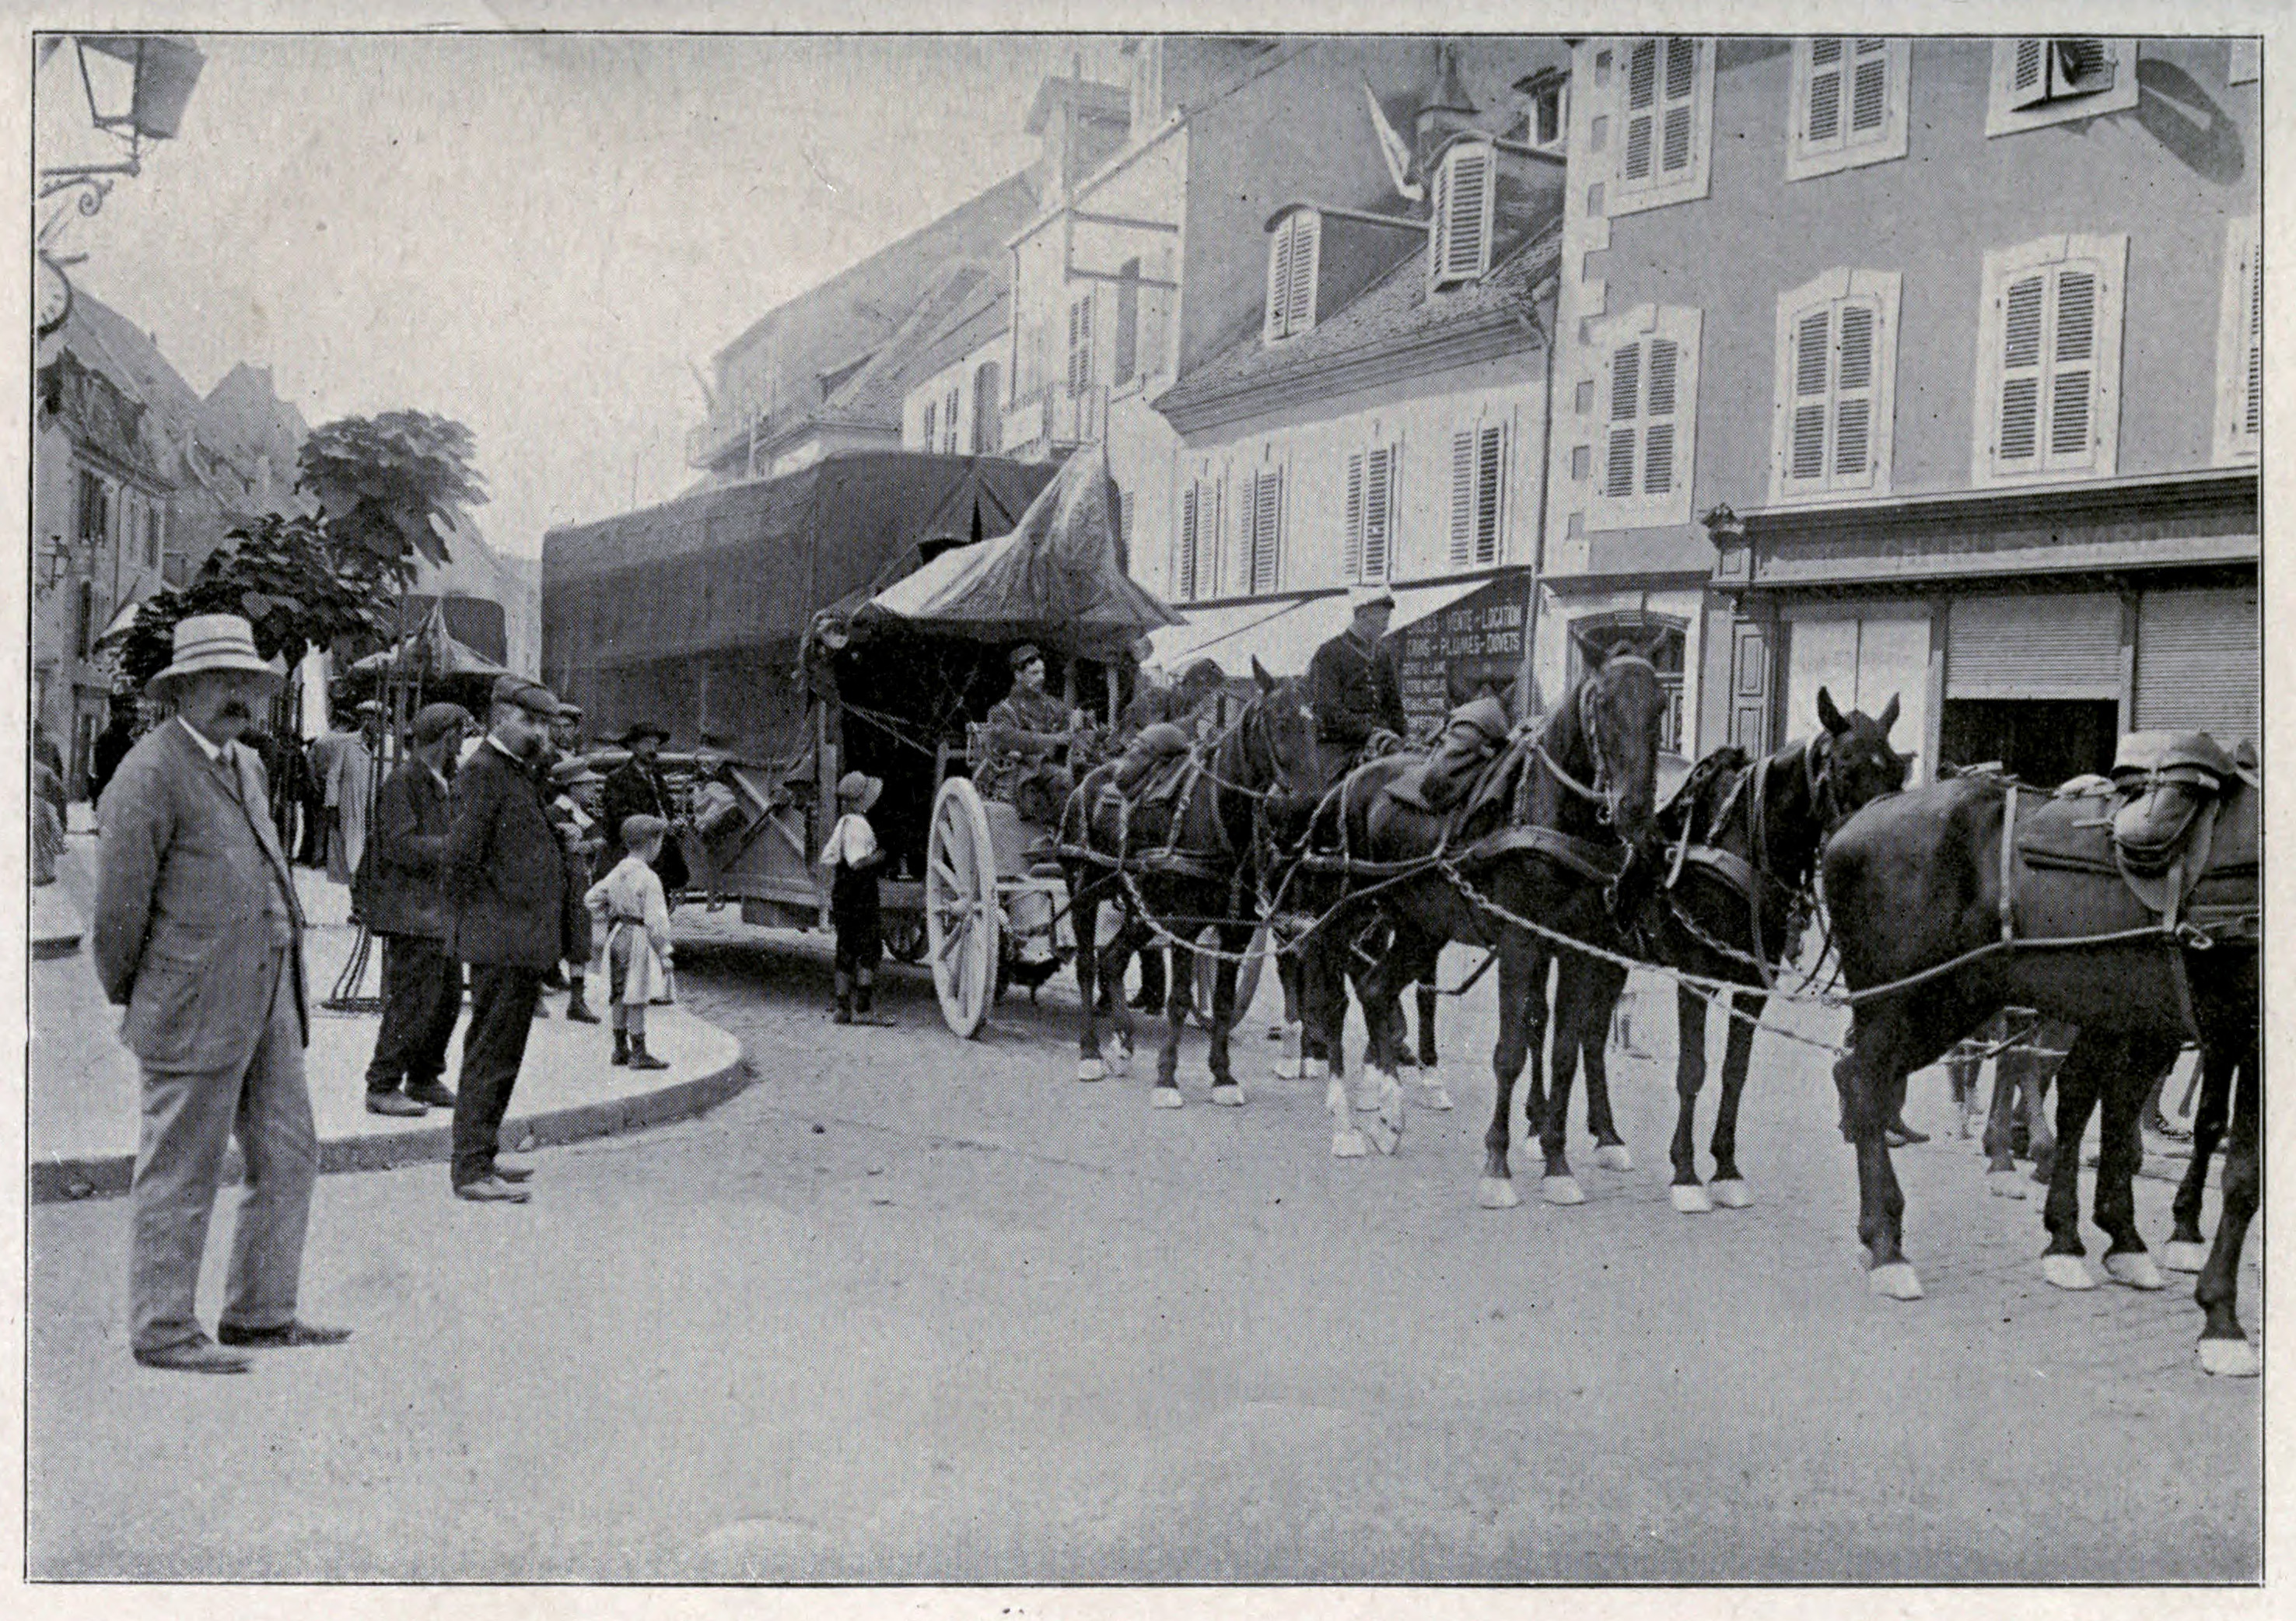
x=1745, y=837
x=1173, y=866
x=1928, y=909
x=1548, y=830
x=2027, y=1050
x=2185, y=1251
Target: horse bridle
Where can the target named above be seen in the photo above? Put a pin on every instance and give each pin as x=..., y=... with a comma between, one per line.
x=1598, y=794
x=1817, y=781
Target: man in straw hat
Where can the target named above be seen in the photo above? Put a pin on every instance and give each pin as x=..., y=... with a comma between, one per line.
x=401, y=897
x=506, y=898
x=199, y=936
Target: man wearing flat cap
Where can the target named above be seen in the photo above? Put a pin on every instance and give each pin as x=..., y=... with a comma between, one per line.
x=401, y=895
x=507, y=909
x=1026, y=730
x=637, y=788
x=573, y=811
x=1353, y=682
x=199, y=936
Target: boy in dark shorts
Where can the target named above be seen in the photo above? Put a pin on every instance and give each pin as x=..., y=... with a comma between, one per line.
x=853, y=858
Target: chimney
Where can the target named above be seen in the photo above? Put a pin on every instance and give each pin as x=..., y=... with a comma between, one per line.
x=1447, y=109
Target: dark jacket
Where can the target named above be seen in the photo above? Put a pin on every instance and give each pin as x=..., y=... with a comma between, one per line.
x=506, y=867
x=401, y=883
x=1354, y=689
x=631, y=789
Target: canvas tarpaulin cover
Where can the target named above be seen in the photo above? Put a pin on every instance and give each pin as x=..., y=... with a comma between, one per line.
x=690, y=614
x=1059, y=577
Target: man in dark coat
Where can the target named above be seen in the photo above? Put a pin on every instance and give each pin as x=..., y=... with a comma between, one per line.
x=637, y=788
x=111, y=746
x=506, y=898
x=1353, y=683
x=1026, y=733
x=401, y=895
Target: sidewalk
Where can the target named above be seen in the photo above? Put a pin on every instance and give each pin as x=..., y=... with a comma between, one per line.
x=84, y=1084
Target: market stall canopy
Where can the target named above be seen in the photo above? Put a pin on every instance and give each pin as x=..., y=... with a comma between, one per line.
x=1059, y=577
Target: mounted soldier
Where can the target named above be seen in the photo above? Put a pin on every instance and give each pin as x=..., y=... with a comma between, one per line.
x=1354, y=686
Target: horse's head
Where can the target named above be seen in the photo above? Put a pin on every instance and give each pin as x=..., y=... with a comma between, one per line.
x=1621, y=709
x=1284, y=758
x=1857, y=765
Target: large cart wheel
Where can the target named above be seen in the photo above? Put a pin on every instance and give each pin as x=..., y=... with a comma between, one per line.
x=1247, y=973
x=960, y=906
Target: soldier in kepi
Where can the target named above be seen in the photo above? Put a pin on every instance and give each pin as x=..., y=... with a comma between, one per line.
x=1354, y=685
x=1026, y=733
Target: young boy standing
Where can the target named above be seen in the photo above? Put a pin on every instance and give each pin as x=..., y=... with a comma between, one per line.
x=853, y=857
x=630, y=901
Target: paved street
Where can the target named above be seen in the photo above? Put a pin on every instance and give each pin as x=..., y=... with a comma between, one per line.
x=912, y=1310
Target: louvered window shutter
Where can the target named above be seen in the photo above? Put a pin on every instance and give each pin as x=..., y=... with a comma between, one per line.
x=1299, y=308
x=1642, y=108
x=1658, y=413
x=1681, y=88
x=1084, y=345
x=1353, y=560
x=1806, y=426
x=1265, y=519
x=2072, y=383
x=2018, y=441
x=949, y=423
x=1823, y=125
x=1626, y=407
x=1490, y=482
x=1183, y=566
x=933, y=421
x=1856, y=365
x=2252, y=406
x=1379, y=511
x=1869, y=89
x=1279, y=282
x=1439, y=215
x=1466, y=234
x=1463, y=498
x=2029, y=74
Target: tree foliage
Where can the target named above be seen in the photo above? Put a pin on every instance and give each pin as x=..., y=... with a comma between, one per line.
x=390, y=484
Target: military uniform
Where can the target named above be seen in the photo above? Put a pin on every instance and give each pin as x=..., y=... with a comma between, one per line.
x=1023, y=730
x=1354, y=689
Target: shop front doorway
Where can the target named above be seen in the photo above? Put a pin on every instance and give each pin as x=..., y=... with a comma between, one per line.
x=2040, y=741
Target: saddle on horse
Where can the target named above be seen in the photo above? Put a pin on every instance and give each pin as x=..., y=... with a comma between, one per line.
x=2180, y=821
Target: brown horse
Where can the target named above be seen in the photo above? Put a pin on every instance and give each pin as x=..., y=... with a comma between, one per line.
x=1545, y=838
x=1916, y=886
x=1173, y=866
x=1746, y=836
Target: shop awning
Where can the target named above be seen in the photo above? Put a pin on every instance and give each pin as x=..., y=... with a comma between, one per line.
x=1283, y=636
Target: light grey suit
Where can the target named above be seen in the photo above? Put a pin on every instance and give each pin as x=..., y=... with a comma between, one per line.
x=198, y=935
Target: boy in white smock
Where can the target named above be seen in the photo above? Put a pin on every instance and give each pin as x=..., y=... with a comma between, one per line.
x=630, y=902
x=853, y=857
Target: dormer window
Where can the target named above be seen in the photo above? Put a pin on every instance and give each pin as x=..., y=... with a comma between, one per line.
x=1546, y=109
x=1294, y=248
x=2046, y=80
x=1460, y=216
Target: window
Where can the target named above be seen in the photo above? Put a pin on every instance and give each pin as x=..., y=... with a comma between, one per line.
x=1461, y=214
x=1080, y=345
x=2240, y=345
x=1128, y=321
x=1849, y=104
x=949, y=419
x=2038, y=81
x=987, y=400
x=1294, y=249
x=1646, y=401
x=1548, y=110
x=152, y=516
x=1370, y=513
x=932, y=422
x=1196, y=552
x=95, y=514
x=1477, y=495
x=1837, y=344
x=1263, y=531
x=2048, y=361
x=1669, y=106
x=84, y=628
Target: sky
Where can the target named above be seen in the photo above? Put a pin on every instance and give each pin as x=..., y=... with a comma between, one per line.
x=536, y=236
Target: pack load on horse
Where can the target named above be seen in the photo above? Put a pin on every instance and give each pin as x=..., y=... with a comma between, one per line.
x=1536, y=836
x=2129, y=909
x=1743, y=839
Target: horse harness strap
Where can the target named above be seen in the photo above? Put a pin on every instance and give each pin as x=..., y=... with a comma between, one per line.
x=1598, y=861
x=2009, y=866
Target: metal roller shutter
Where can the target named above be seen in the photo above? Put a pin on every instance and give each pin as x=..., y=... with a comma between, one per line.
x=2199, y=658
x=2043, y=645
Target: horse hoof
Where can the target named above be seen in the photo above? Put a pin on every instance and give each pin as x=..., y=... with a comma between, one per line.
x=1432, y=1096
x=2135, y=1269
x=1165, y=1097
x=2229, y=1359
x=2005, y=1185
x=2067, y=1272
x=1689, y=1198
x=1732, y=1193
x=1496, y=1193
x=1315, y=1069
x=1230, y=1096
x=1562, y=1190
x=1286, y=1069
x=1895, y=1281
x=1614, y=1157
x=2179, y=1256
x=1348, y=1145
x=1091, y=1069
